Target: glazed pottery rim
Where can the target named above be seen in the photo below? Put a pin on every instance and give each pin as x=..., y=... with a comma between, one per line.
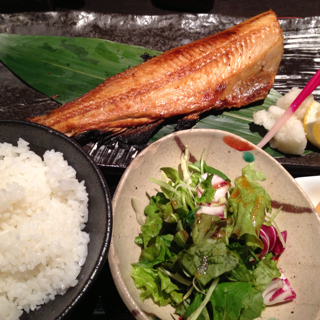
x=125, y=294
x=105, y=246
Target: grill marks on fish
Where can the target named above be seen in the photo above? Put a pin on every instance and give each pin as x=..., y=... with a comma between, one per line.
x=230, y=69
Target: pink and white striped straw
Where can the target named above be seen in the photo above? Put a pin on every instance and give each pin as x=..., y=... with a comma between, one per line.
x=308, y=89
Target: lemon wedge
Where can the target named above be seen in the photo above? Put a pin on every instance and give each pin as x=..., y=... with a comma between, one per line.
x=311, y=123
x=318, y=208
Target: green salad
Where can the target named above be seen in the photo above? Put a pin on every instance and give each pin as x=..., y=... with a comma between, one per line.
x=210, y=248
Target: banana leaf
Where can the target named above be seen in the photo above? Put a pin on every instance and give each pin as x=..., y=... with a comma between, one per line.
x=65, y=68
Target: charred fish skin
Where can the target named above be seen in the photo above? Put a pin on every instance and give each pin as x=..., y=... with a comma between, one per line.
x=229, y=69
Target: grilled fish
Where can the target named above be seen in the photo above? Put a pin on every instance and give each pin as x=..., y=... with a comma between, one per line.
x=229, y=69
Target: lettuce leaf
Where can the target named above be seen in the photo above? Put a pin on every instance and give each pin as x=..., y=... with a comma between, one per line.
x=165, y=206
x=227, y=300
x=205, y=226
x=231, y=300
x=241, y=273
x=158, y=252
x=208, y=259
x=264, y=273
x=157, y=285
x=181, y=238
x=249, y=202
x=252, y=305
x=172, y=174
x=153, y=224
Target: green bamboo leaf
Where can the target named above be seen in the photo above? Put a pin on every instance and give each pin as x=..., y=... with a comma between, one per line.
x=66, y=67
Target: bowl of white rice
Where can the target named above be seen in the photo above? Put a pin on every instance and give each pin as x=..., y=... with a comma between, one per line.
x=55, y=222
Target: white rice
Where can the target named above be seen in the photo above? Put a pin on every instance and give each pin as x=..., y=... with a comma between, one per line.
x=43, y=210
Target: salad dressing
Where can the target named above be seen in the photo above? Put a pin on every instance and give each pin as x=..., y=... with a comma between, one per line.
x=237, y=144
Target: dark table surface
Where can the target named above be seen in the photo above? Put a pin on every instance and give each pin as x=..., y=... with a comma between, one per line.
x=247, y=8
x=102, y=301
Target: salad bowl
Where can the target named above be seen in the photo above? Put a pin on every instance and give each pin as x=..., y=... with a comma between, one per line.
x=300, y=262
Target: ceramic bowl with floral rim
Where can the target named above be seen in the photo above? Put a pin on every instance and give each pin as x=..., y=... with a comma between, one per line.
x=228, y=153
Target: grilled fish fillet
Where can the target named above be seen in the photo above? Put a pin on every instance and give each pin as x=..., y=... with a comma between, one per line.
x=230, y=69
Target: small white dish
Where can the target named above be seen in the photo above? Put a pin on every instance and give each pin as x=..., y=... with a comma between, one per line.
x=311, y=186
